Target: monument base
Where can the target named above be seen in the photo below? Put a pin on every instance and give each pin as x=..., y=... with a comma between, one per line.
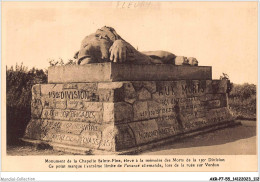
x=134, y=150
x=125, y=116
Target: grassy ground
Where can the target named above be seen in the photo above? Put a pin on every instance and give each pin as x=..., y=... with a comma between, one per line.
x=242, y=101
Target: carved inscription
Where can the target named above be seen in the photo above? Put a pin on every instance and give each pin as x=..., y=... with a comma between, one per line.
x=98, y=96
x=54, y=104
x=68, y=94
x=77, y=140
x=90, y=141
x=73, y=91
x=154, y=129
x=183, y=101
x=195, y=123
x=188, y=87
x=167, y=90
x=193, y=88
x=72, y=115
x=169, y=107
x=219, y=115
x=63, y=138
x=165, y=118
x=74, y=133
x=95, y=142
x=154, y=112
x=63, y=126
x=157, y=133
x=77, y=128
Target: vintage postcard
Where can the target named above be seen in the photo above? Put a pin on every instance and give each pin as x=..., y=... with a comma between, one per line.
x=129, y=86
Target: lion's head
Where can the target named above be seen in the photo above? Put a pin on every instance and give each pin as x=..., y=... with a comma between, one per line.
x=95, y=47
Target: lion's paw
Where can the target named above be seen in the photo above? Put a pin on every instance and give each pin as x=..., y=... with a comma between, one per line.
x=193, y=61
x=121, y=51
x=182, y=60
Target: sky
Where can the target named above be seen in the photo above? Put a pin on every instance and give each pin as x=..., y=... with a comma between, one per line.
x=219, y=34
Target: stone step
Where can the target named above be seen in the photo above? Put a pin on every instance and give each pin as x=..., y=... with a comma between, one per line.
x=134, y=150
x=114, y=136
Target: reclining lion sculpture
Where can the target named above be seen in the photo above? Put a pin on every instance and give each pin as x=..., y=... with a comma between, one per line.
x=105, y=45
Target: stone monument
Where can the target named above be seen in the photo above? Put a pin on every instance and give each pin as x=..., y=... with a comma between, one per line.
x=113, y=107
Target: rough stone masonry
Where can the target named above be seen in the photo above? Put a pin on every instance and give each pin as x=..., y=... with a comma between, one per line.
x=117, y=110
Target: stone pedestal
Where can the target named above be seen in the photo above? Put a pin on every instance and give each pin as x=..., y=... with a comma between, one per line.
x=107, y=72
x=113, y=116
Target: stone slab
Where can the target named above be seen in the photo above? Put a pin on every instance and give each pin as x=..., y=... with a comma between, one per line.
x=134, y=150
x=89, y=135
x=108, y=72
x=96, y=136
x=123, y=102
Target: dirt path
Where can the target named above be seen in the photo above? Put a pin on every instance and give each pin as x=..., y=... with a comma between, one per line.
x=239, y=140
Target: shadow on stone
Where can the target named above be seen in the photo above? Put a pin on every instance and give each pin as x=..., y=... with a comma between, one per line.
x=43, y=146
